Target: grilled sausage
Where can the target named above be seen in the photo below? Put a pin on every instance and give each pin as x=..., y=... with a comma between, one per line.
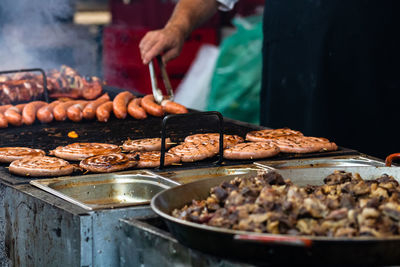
x=135, y=110
x=91, y=89
x=60, y=110
x=89, y=112
x=120, y=103
x=13, y=115
x=173, y=107
x=151, y=107
x=29, y=111
x=3, y=120
x=103, y=112
x=4, y=108
x=74, y=112
x=45, y=113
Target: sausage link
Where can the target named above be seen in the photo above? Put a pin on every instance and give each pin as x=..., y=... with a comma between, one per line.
x=103, y=112
x=135, y=110
x=4, y=108
x=45, y=113
x=89, y=112
x=21, y=107
x=74, y=112
x=29, y=111
x=60, y=110
x=3, y=120
x=173, y=107
x=120, y=103
x=13, y=116
x=151, y=107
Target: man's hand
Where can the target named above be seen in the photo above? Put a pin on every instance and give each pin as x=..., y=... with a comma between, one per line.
x=167, y=42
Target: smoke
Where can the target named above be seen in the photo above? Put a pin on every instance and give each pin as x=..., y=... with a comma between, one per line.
x=40, y=33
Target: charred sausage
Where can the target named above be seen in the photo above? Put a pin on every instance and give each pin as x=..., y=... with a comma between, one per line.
x=89, y=112
x=60, y=110
x=74, y=112
x=120, y=104
x=151, y=107
x=173, y=107
x=4, y=108
x=45, y=113
x=135, y=110
x=13, y=115
x=3, y=120
x=103, y=112
x=29, y=111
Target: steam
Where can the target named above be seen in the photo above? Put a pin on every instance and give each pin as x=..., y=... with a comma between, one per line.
x=40, y=33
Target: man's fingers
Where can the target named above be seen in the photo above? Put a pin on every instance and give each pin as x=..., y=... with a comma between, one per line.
x=148, y=38
x=147, y=44
x=171, y=54
x=155, y=50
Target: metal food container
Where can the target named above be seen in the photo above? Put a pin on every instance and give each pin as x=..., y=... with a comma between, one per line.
x=105, y=191
x=325, y=162
x=262, y=248
x=187, y=176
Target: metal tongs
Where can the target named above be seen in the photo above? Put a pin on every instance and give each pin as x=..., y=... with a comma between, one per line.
x=157, y=93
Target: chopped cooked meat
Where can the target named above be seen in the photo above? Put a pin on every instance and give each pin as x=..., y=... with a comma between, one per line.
x=345, y=206
x=338, y=177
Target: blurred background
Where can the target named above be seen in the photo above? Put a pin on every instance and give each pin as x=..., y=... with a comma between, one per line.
x=101, y=37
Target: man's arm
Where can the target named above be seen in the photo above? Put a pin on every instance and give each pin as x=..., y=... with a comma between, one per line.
x=187, y=15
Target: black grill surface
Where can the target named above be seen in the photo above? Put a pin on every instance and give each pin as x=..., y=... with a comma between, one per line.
x=49, y=136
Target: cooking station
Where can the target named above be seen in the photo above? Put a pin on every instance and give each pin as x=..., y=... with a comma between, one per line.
x=105, y=219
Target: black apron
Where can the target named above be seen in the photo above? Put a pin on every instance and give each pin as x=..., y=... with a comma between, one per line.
x=332, y=69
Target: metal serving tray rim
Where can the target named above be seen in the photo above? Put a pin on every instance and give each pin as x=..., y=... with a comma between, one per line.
x=240, y=232
x=44, y=185
x=317, y=162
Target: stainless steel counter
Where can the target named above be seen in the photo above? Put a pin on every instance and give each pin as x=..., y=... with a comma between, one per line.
x=40, y=229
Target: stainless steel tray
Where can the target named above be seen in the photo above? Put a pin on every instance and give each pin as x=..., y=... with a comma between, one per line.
x=339, y=161
x=263, y=248
x=105, y=191
x=187, y=176
x=315, y=176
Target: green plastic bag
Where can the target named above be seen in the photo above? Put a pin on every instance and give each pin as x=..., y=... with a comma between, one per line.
x=236, y=83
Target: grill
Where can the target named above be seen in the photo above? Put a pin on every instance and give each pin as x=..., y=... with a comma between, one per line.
x=49, y=136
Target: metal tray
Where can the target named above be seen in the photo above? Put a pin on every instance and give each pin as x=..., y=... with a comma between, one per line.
x=338, y=161
x=187, y=176
x=263, y=249
x=105, y=191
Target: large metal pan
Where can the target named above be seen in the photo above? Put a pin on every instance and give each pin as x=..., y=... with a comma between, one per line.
x=263, y=249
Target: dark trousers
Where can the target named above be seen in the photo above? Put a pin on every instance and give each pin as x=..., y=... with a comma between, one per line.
x=332, y=69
